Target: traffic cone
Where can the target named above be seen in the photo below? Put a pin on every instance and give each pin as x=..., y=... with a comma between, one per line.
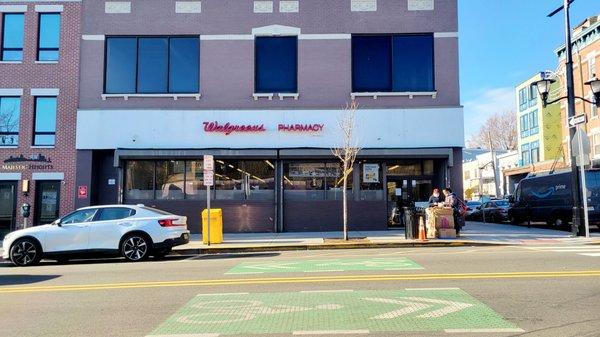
x=422, y=235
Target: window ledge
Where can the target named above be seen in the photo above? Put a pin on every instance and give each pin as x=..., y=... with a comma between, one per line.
x=42, y=146
x=11, y=62
x=46, y=62
x=270, y=96
x=9, y=146
x=173, y=96
x=409, y=94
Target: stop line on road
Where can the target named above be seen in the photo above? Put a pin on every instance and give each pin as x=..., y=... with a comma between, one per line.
x=334, y=312
x=583, y=250
x=329, y=265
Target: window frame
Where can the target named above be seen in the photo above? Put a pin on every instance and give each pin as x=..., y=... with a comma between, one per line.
x=137, y=56
x=44, y=133
x=3, y=30
x=7, y=133
x=39, y=30
x=101, y=210
x=297, y=45
x=391, y=69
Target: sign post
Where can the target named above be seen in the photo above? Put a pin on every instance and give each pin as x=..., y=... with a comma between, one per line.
x=580, y=147
x=209, y=166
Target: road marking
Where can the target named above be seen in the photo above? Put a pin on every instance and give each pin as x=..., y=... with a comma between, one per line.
x=388, y=312
x=223, y=294
x=327, y=291
x=303, y=279
x=482, y=330
x=188, y=335
x=331, y=332
x=590, y=254
x=430, y=289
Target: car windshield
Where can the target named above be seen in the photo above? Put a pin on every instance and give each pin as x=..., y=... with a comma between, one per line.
x=158, y=211
x=502, y=203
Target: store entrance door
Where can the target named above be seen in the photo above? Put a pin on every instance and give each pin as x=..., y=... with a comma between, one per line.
x=404, y=192
x=8, y=204
x=47, y=201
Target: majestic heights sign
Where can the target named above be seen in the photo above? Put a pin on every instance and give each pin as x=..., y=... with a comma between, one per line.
x=229, y=128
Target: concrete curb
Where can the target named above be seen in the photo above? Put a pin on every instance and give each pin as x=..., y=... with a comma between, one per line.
x=330, y=246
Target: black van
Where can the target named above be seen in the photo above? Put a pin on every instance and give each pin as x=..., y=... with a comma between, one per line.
x=547, y=197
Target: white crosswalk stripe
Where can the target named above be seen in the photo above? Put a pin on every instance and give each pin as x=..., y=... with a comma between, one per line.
x=583, y=250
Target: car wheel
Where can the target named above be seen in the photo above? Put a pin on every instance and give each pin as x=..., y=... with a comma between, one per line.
x=25, y=252
x=135, y=247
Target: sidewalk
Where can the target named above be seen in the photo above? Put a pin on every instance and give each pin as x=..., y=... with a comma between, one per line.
x=473, y=234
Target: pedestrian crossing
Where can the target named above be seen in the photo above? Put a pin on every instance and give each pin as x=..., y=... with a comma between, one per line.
x=583, y=250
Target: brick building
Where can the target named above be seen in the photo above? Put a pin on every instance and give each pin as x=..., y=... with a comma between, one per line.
x=39, y=67
x=586, y=55
x=260, y=85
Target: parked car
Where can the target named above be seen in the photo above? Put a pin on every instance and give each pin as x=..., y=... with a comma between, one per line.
x=472, y=207
x=134, y=232
x=494, y=211
x=547, y=198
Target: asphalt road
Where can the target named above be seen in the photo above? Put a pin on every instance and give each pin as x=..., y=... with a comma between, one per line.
x=481, y=291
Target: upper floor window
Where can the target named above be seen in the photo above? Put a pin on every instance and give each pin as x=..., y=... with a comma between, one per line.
x=12, y=36
x=276, y=64
x=533, y=123
x=525, y=154
x=10, y=108
x=392, y=63
x=152, y=65
x=523, y=100
x=535, y=152
x=45, y=121
x=532, y=95
x=524, y=125
x=48, y=37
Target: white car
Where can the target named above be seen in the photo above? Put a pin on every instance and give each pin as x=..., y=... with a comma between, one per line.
x=135, y=232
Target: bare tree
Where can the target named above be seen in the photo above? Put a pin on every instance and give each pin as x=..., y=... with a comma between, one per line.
x=346, y=152
x=499, y=132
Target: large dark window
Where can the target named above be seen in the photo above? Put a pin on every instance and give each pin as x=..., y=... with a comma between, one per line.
x=45, y=121
x=13, y=25
x=152, y=65
x=314, y=181
x=178, y=179
x=392, y=63
x=10, y=108
x=276, y=64
x=49, y=37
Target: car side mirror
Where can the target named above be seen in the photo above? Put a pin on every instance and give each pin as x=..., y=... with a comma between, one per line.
x=57, y=222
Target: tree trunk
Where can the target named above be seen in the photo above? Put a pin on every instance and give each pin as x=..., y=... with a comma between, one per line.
x=345, y=201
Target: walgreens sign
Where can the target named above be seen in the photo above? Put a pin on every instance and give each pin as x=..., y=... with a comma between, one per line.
x=229, y=128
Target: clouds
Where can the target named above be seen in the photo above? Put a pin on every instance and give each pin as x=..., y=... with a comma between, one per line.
x=485, y=103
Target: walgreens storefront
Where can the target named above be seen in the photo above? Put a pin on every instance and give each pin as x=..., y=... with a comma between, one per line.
x=271, y=174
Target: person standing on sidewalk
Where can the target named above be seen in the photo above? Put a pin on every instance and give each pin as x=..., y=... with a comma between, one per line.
x=435, y=198
x=451, y=200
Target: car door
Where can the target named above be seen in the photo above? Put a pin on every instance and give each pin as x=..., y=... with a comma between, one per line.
x=72, y=233
x=108, y=227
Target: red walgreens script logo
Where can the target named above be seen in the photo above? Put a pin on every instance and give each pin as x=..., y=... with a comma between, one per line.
x=229, y=128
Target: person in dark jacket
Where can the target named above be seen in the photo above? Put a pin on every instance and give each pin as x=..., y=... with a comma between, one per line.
x=435, y=197
x=451, y=200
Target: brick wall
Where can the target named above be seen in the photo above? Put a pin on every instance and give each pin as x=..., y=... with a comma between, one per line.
x=62, y=75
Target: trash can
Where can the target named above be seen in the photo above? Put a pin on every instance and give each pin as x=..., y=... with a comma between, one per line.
x=216, y=225
x=411, y=223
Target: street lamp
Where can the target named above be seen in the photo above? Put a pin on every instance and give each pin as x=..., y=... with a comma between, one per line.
x=594, y=84
x=543, y=88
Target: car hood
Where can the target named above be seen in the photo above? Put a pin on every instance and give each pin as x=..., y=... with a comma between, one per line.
x=30, y=230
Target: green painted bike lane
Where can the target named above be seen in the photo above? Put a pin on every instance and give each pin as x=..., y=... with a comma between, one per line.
x=340, y=310
x=327, y=265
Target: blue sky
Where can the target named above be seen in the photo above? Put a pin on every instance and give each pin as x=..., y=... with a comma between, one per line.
x=504, y=42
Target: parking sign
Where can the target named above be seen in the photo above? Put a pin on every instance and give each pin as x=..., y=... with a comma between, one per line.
x=209, y=178
x=209, y=162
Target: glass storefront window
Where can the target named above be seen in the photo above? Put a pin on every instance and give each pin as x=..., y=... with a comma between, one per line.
x=249, y=180
x=259, y=179
x=428, y=167
x=170, y=179
x=139, y=180
x=228, y=180
x=404, y=168
x=194, y=180
x=371, y=181
x=314, y=181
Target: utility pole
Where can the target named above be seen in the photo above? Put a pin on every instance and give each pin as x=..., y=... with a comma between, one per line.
x=496, y=189
x=576, y=228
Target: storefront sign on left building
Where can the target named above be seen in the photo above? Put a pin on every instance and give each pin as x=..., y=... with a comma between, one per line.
x=32, y=162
